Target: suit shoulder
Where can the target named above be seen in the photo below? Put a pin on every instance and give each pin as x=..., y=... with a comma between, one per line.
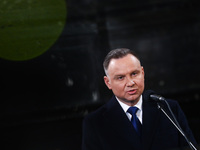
x=172, y=103
x=175, y=107
x=96, y=114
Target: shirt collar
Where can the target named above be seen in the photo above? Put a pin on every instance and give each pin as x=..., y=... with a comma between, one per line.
x=125, y=107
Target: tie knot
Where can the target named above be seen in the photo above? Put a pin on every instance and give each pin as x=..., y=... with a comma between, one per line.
x=132, y=110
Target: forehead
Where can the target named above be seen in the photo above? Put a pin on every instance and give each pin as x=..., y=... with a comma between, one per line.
x=126, y=63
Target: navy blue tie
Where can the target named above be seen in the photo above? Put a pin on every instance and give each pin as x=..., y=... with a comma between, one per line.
x=134, y=120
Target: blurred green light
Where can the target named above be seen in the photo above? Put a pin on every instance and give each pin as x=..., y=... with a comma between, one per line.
x=28, y=28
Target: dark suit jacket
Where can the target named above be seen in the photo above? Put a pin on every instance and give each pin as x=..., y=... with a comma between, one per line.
x=108, y=128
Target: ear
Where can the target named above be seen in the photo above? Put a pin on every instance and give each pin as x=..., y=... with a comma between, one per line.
x=143, y=70
x=107, y=82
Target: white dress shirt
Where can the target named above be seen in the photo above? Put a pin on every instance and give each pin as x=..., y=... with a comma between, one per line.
x=125, y=107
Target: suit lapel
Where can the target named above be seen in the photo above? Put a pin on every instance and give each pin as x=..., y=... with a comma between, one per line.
x=150, y=122
x=118, y=121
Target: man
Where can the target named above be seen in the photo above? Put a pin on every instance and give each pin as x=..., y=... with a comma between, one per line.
x=112, y=126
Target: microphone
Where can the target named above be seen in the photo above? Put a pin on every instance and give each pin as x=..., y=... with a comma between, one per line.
x=153, y=96
x=157, y=97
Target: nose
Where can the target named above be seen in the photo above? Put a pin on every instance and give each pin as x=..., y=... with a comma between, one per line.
x=130, y=82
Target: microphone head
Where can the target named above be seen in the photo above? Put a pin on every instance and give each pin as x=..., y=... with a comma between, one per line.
x=151, y=95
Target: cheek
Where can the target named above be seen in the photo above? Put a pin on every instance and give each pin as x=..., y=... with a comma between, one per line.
x=140, y=81
x=118, y=86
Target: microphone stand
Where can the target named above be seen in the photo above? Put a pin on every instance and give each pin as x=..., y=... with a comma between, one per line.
x=176, y=124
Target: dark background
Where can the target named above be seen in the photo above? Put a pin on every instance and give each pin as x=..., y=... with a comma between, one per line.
x=43, y=100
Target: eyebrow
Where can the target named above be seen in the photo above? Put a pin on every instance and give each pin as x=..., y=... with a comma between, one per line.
x=120, y=74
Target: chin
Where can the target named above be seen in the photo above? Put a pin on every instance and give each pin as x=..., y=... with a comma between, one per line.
x=131, y=99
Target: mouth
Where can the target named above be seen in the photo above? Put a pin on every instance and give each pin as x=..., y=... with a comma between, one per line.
x=131, y=92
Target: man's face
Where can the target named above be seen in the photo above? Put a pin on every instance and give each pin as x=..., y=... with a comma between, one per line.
x=125, y=77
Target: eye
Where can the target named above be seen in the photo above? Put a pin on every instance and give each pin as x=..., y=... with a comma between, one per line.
x=134, y=74
x=120, y=77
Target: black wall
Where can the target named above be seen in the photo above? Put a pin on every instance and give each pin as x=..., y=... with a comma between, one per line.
x=43, y=100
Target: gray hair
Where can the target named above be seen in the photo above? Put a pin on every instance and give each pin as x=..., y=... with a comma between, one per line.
x=116, y=54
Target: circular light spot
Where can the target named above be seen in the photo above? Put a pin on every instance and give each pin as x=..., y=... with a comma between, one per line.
x=28, y=28
x=162, y=83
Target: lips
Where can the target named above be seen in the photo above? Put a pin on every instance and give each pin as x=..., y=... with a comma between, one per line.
x=131, y=92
